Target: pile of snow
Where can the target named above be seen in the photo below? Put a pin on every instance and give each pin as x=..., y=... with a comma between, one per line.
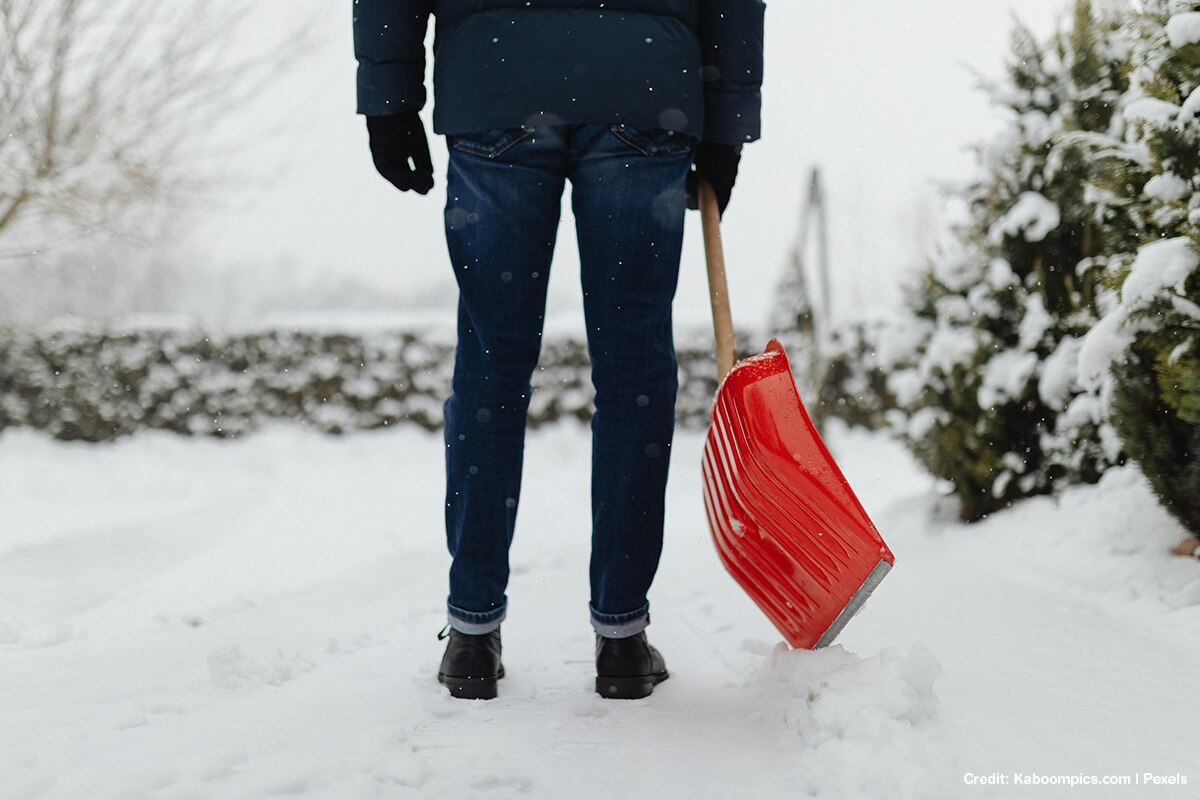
x=869, y=723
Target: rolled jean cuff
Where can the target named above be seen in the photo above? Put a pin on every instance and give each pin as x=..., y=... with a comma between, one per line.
x=621, y=626
x=474, y=623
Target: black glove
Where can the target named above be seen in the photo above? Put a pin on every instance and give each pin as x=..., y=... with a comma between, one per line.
x=401, y=151
x=717, y=164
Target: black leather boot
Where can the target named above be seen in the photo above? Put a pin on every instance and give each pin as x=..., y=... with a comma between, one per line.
x=471, y=665
x=628, y=668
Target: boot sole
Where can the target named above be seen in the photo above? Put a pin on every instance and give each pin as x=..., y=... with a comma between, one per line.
x=626, y=688
x=471, y=688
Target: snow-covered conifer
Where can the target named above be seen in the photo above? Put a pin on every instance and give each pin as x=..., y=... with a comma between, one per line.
x=994, y=407
x=1145, y=354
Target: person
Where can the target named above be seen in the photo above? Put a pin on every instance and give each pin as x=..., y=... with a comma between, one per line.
x=632, y=101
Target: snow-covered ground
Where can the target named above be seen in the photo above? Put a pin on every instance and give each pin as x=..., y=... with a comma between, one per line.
x=200, y=619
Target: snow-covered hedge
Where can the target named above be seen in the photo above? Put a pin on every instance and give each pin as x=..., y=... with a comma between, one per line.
x=98, y=383
x=856, y=361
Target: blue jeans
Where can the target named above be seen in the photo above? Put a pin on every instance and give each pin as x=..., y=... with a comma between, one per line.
x=504, y=190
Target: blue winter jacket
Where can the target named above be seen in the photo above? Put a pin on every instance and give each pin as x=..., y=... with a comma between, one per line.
x=693, y=66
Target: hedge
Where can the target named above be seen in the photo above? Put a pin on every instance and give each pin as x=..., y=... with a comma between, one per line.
x=97, y=383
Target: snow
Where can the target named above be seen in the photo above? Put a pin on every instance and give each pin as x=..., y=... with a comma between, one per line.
x=1159, y=271
x=1005, y=376
x=949, y=348
x=1183, y=29
x=1159, y=113
x=190, y=618
x=900, y=341
x=1185, y=307
x=1191, y=106
x=959, y=270
x=199, y=618
x=1160, y=266
x=1000, y=274
x=1037, y=126
x=1033, y=216
x=1034, y=323
x=922, y=423
x=1168, y=187
x=1059, y=374
x=1104, y=343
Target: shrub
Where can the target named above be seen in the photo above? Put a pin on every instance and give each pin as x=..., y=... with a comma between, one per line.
x=1144, y=356
x=96, y=383
x=994, y=402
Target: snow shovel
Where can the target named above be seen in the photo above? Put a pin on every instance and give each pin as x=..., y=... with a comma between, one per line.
x=786, y=524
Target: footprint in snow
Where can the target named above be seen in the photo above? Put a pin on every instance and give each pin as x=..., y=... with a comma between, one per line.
x=230, y=668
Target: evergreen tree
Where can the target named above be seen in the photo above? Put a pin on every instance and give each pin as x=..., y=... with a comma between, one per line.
x=995, y=405
x=1146, y=352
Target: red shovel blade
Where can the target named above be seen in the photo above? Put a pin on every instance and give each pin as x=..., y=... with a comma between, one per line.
x=786, y=524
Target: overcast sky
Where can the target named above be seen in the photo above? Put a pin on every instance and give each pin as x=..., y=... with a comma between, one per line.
x=879, y=95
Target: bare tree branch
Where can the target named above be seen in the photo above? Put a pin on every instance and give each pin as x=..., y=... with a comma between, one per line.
x=105, y=106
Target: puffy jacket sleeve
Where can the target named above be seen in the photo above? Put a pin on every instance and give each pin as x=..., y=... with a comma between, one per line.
x=389, y=43
x=731, y=35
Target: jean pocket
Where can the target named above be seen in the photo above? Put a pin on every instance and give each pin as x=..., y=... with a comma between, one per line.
x=489, y=143
x=654, y=141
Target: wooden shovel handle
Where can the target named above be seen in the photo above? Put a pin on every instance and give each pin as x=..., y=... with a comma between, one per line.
x=718, y=290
